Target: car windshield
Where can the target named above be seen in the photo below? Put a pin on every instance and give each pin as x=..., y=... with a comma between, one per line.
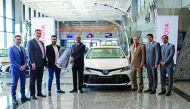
x=105, y=53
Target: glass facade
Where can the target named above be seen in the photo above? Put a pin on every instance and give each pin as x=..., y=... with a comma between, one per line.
x=8, y=28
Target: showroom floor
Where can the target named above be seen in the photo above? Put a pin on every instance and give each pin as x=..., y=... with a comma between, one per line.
x=97, y=98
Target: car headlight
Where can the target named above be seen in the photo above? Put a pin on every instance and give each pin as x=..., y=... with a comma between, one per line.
x=125, y=68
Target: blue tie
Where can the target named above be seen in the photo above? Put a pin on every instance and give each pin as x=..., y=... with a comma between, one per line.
x=164, y=49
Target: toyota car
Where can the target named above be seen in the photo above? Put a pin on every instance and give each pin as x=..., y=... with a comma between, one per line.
x=106, y=66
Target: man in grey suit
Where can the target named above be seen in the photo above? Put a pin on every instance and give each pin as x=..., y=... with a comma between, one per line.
x=37, y=59
x=166, y=65
x=152, y=62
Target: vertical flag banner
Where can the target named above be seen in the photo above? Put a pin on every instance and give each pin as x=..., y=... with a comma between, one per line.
x=168, y=25
x=47, y=26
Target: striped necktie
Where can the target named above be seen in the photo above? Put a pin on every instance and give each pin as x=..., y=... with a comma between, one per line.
x=41, y=48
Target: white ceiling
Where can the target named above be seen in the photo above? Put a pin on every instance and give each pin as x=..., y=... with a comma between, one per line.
x=80, y=10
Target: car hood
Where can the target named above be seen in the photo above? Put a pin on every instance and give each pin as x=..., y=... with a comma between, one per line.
x=106, y=63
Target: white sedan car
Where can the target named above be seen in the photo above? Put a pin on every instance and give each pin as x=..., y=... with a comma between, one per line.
x=106, y=65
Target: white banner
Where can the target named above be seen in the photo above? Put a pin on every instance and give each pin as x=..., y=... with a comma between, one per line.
x=47, y=26
x=168, y=25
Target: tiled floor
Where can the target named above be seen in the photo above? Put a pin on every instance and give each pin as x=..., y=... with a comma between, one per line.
x=94, y=97
x=184, y=86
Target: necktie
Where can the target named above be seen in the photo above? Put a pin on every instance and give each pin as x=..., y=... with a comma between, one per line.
x=77, y=47
x=41, y=48
x=164, y=49
x=149, y=45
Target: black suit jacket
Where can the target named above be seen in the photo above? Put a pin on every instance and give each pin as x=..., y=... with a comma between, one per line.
x=50, y=53
x=77, y=53
x=35, y=54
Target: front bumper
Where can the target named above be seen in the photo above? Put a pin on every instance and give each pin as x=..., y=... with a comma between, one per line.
x=118, y=76
x=92, y=80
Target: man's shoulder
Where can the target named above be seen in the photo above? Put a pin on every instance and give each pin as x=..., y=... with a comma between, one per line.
x=83, y=44
x=171, y=45
x=155, y=43
x=12, y=47
x=31, y=40
x=141, y=45
x=48, y=46
x=58, y=46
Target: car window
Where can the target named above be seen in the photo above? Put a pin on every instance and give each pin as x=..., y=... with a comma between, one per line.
x=105, y=53
x=3, y=52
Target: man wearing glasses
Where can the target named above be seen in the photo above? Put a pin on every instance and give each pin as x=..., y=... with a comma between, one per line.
x=18, y=63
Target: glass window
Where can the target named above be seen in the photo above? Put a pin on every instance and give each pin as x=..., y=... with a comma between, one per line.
x=38, y=14
x=1, y=7
x=9, y=25
x=1, y=24
x=9, y=40
x=32, y=12
x=9, y=8
x=17, y=29
x=1, y=39
x=26, y=12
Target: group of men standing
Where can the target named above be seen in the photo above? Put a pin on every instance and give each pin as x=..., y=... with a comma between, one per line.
x=39, y=57
x=151, y=56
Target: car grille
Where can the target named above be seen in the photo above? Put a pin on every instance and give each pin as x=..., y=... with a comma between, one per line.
x=104, y=71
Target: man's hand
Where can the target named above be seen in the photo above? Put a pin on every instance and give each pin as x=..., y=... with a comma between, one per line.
x=162, y=63
x=145, y=66
x=33, y=66
x=71, y=61
x=155, y=66
x=23, y=67
x=141, y=66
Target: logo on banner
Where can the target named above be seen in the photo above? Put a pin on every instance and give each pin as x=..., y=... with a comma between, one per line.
x=166, y=29
x=43, y=35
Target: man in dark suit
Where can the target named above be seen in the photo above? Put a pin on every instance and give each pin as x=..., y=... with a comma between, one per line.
x=52, y=53
x=37, y=57
x=152, y=62
x=77, y=54
x=166, y=65
x=18, y=63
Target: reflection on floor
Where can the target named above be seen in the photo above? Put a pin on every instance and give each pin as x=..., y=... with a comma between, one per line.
x=94, y=98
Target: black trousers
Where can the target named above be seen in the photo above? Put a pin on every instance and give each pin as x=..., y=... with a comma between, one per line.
x=78, y=71
x=36, y=75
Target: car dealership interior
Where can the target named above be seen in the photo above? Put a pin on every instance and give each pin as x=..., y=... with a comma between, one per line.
x=109, y=31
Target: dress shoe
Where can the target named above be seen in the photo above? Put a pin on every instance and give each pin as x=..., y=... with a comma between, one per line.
x=140, y=90
x=41, y=95
x=153, y=92
x=168, y=93
x=162, y=92
x=134, y=89
x=60, y=91
x=49, y=93
x=148, y=90
x=81, y=91
x=23, y=99
x=73, y=91
x=15, y=102
x=33, y=97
